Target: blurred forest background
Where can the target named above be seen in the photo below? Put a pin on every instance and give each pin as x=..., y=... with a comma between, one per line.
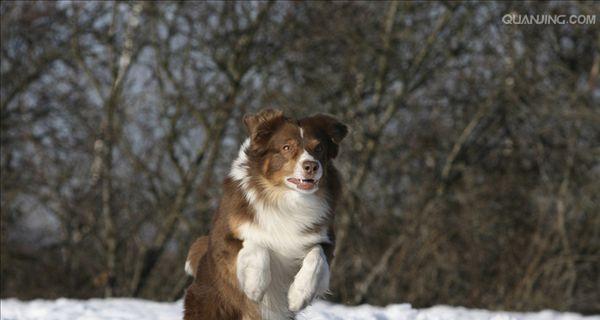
x=472, y=169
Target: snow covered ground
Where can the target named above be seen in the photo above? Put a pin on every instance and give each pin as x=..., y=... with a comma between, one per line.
x=133, y=309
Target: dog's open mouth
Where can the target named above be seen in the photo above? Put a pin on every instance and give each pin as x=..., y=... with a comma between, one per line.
x=304, y=184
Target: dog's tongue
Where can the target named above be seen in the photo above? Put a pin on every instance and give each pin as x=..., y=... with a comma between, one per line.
x=304, y=184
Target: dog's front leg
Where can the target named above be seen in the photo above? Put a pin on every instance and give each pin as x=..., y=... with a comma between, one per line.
x=253, y=270
x=311, y=281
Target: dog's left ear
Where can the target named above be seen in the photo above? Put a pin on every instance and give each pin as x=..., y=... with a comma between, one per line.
x=337, y=130
x=334, y=129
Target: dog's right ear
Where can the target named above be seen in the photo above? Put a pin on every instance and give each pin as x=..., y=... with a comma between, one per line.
x=262, y=123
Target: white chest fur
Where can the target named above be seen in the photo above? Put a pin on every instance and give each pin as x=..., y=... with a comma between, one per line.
x=282, y=226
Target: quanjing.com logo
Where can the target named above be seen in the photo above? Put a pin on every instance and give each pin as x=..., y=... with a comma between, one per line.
x=513, y=18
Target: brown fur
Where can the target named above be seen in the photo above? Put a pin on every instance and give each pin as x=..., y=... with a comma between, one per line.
x=215, y=292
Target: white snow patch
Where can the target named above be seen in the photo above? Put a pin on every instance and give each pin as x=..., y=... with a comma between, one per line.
x=134, y=309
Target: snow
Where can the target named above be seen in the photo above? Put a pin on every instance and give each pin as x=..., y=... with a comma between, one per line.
x=134, y=309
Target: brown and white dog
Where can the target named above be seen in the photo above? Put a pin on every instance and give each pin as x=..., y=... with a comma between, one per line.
x=268, y=252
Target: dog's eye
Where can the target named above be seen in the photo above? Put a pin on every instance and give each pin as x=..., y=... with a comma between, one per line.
x=318, y=149
x=286, y=147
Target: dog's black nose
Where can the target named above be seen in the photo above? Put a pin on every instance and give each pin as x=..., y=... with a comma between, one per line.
x=310, y=167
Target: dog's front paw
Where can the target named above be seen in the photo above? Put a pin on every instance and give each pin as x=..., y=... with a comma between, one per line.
x=253, y=271
x=311, y=281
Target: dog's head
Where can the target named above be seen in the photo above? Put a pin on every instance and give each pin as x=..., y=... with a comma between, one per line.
x=293, y=153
